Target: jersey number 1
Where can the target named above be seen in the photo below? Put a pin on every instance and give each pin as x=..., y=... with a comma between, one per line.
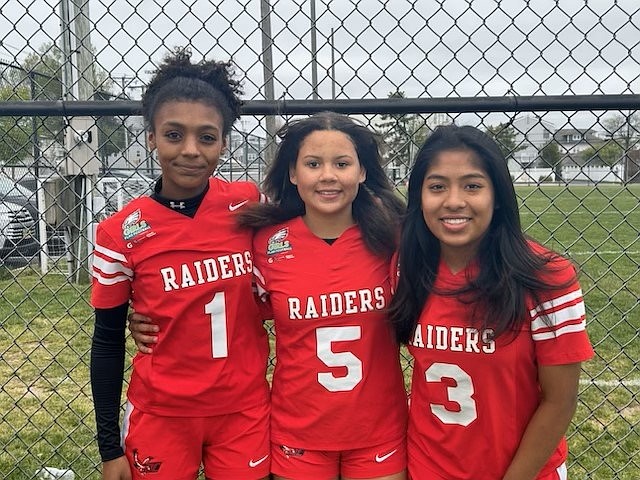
x=217, y=311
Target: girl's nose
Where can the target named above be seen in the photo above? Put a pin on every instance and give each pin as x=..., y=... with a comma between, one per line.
x=190, y=146
x=455, y=198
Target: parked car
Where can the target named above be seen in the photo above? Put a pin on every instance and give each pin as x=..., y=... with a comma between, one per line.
x=18, y=242
x=16, y=193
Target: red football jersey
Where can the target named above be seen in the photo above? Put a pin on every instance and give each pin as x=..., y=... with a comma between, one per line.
x=337, y=383
x=472, y=397
x=193, y=277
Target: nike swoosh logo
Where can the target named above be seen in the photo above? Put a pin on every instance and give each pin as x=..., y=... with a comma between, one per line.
x=382, y=458
x=233, y=207
x=258, y=462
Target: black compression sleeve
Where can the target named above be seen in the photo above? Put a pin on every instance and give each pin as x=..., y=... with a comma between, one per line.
x=107, y=375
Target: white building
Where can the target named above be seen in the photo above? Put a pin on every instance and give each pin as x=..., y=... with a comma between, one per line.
x=532, y=133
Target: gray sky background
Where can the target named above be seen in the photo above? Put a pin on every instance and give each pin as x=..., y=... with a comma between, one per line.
x=426, y=48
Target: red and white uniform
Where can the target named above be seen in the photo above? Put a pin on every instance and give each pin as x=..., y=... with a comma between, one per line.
x=472, y=397
x=193, y=277
x=337, y=383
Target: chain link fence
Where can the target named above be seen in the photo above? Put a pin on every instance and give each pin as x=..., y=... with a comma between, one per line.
x=553, y=81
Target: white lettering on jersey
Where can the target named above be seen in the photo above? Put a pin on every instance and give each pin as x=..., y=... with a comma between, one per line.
x=455, y=339
x=337, y=303
x=206, y=270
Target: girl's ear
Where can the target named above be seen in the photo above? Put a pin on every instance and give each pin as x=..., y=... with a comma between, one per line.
x=363, y=174
x=151, y=140
x=292, y=175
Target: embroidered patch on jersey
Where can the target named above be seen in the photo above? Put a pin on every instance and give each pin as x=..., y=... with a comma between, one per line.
x=145, y=466
x=278, y=242
x=291, y=452
x=134, y=225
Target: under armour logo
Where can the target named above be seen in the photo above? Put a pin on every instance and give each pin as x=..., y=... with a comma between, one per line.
x=176, y=205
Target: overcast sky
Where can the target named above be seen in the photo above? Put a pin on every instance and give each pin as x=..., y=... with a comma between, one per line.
x=427, y=48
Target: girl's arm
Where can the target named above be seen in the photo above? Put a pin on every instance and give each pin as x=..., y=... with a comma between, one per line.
x=559, y=385
x=107, y=374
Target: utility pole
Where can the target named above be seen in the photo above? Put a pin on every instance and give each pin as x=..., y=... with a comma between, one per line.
x=267, y=68
x=81, y=164
x=314, y=52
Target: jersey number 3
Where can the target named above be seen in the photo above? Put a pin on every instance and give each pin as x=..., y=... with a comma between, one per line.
x=461, y=394
x=325, y=336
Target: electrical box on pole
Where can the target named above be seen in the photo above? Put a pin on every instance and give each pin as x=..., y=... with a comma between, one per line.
x=82, y=145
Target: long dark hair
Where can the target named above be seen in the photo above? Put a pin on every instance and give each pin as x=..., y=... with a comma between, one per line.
x=508, y=268
x=377, y=208
x=210, y=82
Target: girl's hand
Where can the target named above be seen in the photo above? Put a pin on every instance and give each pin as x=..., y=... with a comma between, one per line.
x=116, y=469
x=143, y=332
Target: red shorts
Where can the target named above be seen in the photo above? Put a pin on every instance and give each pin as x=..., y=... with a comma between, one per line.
x=231, y=447
x=381, y=460
x=560, y=473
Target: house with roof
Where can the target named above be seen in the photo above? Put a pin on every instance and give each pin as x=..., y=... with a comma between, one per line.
x=575, y=140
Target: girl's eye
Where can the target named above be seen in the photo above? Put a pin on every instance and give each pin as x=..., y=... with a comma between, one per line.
x=436, y=187
x=173, y=135
x=209, y=138
x=342, y=164
x=312, y=164
x=474, y=186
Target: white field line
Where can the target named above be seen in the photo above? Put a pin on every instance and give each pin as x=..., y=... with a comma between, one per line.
x=611, y=383
x=605, y=252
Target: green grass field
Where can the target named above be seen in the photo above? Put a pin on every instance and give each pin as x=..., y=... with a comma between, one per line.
x=46, y=416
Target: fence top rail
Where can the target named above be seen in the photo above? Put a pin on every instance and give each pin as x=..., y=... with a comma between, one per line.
x=62, y=108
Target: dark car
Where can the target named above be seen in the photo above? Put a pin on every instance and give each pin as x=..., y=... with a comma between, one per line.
x=18, y=243
x=15, y=193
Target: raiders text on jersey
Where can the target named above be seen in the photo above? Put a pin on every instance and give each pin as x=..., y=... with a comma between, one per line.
x=206, y=271
x=455, y=339
x=337, y=303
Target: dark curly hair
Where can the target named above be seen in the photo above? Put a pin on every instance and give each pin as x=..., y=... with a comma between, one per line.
x=178, y=79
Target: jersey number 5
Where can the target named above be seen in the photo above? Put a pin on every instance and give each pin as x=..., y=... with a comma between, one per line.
x=217, y=311
x=325, y=336
x=461, y=394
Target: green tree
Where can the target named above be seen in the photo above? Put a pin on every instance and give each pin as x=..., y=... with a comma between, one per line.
x=40, y=75
x=397, y=130
x=505, y=136
x=607, y=153
x=15, y=132
x=550, y=158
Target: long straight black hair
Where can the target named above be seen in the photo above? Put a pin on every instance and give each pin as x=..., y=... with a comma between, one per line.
x=377, y=209
x=509, y=270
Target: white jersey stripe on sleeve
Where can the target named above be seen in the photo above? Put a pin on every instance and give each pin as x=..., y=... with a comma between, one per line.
x=572, y=328
x=554, y=319
x=110, y=280
x=555, y=302
x=111, y=268
x=110, y=253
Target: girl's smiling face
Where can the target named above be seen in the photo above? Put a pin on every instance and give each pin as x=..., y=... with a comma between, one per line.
x=457, y=205
x=189, y=140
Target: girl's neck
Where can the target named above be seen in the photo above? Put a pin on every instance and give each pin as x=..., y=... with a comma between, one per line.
x=456, y=260
x=330, y=226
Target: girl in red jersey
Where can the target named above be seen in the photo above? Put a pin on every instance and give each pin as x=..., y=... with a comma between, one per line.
x=178, y=255
x=495, y=322
x=322, y=253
